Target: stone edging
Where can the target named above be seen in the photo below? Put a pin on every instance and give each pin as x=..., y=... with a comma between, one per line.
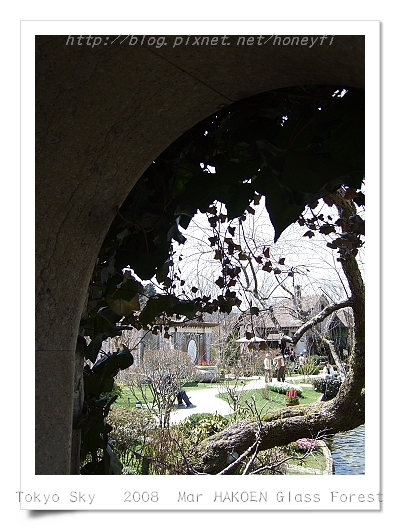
x=329, y=464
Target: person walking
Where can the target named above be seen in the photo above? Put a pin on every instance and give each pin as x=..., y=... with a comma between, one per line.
x=292, y=358
x=302, y=359
x=328, y=372
x=280, y=365
x=268, y=367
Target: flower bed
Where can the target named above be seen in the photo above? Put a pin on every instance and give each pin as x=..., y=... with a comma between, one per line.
x=282, y=388
x=205, y=363
x=291, y=397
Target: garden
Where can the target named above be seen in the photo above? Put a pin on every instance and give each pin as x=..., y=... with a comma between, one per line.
x=144, y=440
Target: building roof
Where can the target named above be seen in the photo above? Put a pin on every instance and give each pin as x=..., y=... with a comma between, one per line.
x=287, y=315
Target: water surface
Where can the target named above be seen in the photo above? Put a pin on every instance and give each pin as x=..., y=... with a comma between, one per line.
x=348, y=452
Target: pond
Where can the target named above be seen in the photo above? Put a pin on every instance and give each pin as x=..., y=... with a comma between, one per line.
x=348, y=452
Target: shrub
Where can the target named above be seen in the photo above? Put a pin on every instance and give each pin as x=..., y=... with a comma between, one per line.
x=130, y=428
x=308, y=368
x=117, y=390
x=329, y=388
x=162, y=373
x=250, y=363
x=198, y=427
x=306, y=444
x=274, y=462
x=318, y=360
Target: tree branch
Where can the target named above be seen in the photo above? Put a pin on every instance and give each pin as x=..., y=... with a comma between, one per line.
x=320, y=317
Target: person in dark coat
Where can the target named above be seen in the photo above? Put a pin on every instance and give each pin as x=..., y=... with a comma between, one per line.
x=280, y=365
x=171, y=385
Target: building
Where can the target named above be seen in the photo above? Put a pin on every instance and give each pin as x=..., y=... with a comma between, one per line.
x=284, y=318
x=193, y=337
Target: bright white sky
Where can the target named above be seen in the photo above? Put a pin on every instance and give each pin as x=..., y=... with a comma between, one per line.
x=316, y=263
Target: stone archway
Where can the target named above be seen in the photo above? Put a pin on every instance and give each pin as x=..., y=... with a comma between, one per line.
x=103, y=115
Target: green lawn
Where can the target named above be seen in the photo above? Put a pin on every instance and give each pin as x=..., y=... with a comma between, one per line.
x=131, y=394
x=129, y=399
x=273, y=400
x=313, y=464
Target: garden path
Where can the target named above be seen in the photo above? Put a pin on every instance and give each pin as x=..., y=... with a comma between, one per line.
x=206, y=400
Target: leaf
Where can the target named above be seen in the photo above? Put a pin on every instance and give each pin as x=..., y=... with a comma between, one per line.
x=155, y=307
x=110, y=364
x=220, y=282
x=268, y=150
x=147, y=264
x=174, y=233
x=282, y=213
x=125, y=299
x=218, y=255
x=329, y=199
x=222, y=217
x=115, y=466
x=239, y=200
x=360, y=199
x=93, y=385
x=187, y=309
x=162, y=272
x=128, y=288
x=123, y=307
x=314, y=175
x=100, y=321
x=327, y=229
x=257, y=199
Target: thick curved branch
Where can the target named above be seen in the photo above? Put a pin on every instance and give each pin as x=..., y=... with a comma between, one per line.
x=322, y=315
x=278, y=429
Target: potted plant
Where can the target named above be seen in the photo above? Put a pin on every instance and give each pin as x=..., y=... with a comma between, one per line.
x=292, y=398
